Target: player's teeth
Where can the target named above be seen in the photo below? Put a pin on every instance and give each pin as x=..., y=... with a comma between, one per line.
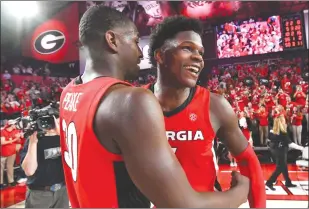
x=192, y=69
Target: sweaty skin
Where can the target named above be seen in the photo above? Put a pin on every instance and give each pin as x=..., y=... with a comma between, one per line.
x=225, y=124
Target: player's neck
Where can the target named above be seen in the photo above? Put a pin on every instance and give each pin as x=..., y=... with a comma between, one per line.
x=100, y=68
x=170, y=97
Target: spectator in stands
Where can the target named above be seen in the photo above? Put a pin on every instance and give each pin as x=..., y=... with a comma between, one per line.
x=245, y=125
x=10, y=137
x=299, y=96
x=45, y=94
x=6, y=75
x=46, y=70
x=296, y=119
x=29, y=70
x=16, y=70
x=279, y=144
x=34, y=95
x=262, y=116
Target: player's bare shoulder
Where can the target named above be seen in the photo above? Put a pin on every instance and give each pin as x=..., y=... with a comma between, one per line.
x=121, y=101
x=220, y=107
x=217, y=98
x=120, y=106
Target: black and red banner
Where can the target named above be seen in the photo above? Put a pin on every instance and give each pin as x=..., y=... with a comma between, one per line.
x=55, y=39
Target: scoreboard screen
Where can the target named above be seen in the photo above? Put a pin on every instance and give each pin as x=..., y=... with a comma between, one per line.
x=292, y=31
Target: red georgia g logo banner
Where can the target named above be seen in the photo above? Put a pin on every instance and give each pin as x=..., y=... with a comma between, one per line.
x=55, y=39
x=49, y=41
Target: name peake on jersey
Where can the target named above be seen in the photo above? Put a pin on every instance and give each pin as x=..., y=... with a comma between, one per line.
x=70, y=101
x=184, y=135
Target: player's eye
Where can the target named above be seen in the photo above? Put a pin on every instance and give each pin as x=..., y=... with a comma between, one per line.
x=186, y=48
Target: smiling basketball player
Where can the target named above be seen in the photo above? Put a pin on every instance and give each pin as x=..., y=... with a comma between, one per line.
x=193, y=115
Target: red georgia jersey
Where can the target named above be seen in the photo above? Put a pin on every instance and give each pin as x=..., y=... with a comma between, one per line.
x=95, y=177
x=190, y=134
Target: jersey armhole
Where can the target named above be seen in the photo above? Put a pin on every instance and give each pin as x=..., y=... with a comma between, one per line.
x=207, y=111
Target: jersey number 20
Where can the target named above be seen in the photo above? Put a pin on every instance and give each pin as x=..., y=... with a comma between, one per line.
x=70, y=156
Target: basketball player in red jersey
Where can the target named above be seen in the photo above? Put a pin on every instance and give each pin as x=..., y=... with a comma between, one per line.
x=193, y=115
x=113, y=139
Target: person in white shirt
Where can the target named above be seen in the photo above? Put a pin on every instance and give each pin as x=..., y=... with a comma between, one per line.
x=16, y=70
x=29, y=70
x=6, y=75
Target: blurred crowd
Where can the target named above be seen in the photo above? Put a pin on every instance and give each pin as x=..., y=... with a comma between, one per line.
x=144, y=78
x=27, y=84
x=261, y=91
x=258, y=91
x=17, y=100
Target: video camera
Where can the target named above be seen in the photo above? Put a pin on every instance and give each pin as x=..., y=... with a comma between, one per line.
x=38, y=120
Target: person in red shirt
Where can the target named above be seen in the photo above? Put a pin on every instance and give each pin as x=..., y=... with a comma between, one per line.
x=269, y=101
x=262, y=116
x=240, y=103
x=261, y=90
x=245, y=97
x=264, y=71
x=249, y=110
x=282, y=98
x=294, y=79
x=190, y=109
x=284, y=80
x=9, y=136
x=300, y=96
x=297, y=69
x=232, y=96
x=20, y=94
x=304, y=86
x=296, y=120
x=288, y=88
x=255, y=100
x=107, y=149
x=28, y=103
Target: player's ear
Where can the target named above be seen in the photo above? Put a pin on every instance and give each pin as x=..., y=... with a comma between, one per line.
x=111, y=40
x=158, y=55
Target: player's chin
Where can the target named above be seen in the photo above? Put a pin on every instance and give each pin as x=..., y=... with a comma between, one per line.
x=189, y=82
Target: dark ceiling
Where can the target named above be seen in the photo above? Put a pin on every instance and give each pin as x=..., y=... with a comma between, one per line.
x=10, y=28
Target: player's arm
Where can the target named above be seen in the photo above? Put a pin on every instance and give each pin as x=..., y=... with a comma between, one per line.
x=237, y=144
x=139, y=133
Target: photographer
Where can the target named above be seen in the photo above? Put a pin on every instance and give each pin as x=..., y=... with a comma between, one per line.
x=279, y=145
x=10, y=137
x=41, y=161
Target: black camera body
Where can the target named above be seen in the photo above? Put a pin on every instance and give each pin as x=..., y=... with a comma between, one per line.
x=38, y=120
